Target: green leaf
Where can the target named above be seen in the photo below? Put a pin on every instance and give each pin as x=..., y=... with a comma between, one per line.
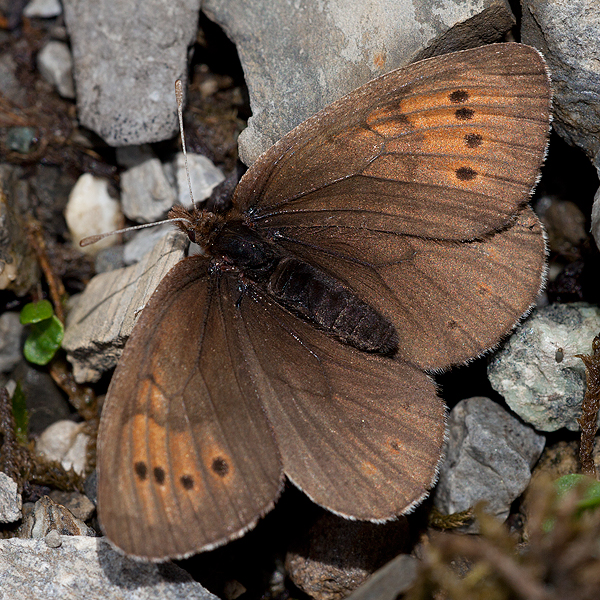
x=44, y=340
x=590, y=490
x=19, y=410
x=34, y=312
x=590, y=494
x=563, y=485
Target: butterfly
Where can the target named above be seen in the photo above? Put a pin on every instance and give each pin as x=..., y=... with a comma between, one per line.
x=385, y=238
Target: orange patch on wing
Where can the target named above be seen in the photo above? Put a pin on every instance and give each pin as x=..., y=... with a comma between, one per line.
x=186, y=476
x=216, y=459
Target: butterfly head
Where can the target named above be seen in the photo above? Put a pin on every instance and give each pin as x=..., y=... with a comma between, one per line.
x=201, y=226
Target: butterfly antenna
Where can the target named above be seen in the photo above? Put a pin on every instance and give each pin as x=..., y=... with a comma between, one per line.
x=92, y=239
x=179, y=96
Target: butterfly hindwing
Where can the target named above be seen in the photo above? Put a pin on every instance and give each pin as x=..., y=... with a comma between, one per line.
x=448, y=301
x=359, y=433
x=186, y=457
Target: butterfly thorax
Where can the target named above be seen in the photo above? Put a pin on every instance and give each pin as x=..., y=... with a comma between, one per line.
x=302, y=288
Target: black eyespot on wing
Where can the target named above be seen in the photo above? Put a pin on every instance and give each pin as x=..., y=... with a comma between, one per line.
x=466, y=174
x=473, y=140
x=187, y=481
x=159, y=475
x=220, y=466
x=464, y=114
x=459, y=96
x=141, y=470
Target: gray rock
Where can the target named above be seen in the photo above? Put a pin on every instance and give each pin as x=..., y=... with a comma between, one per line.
x=11, y=332
x=103, y=316
x=489, y=457
x=322, y=51
x=537, y=372
x=10, y=500
x=43, y=9
x=336, y=555
x=56, y=66
x=389, y=582
x=143, y=241
x=127, y=57
x=568, y=34
x=146, y=192
x=204, y=177
x=46, y=515
x=45, y=402
x=596, y=218
x=85, y=567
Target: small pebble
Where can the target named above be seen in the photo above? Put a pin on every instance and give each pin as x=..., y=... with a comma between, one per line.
x=92, y=211
x=65, y=442
x=204, y=177
x=56, y=66
x=489, y=457
x=20, y=139
x=11, y=502
x=146, y=192
x=43, y=9
x=53, y=539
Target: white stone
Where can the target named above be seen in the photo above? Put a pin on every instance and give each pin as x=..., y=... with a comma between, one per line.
x=43, y=9
x=65, y=442
x=91, y=211
x=56, y=66
x=204, y=177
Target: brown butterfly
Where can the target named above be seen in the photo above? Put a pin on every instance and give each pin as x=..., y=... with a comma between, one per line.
x=386, y=236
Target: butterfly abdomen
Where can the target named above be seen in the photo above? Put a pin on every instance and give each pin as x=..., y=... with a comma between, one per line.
x=324, y=301
x=306, y=290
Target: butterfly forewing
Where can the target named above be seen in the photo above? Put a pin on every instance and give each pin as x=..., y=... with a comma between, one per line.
x=446, y=148
x=186, y=457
